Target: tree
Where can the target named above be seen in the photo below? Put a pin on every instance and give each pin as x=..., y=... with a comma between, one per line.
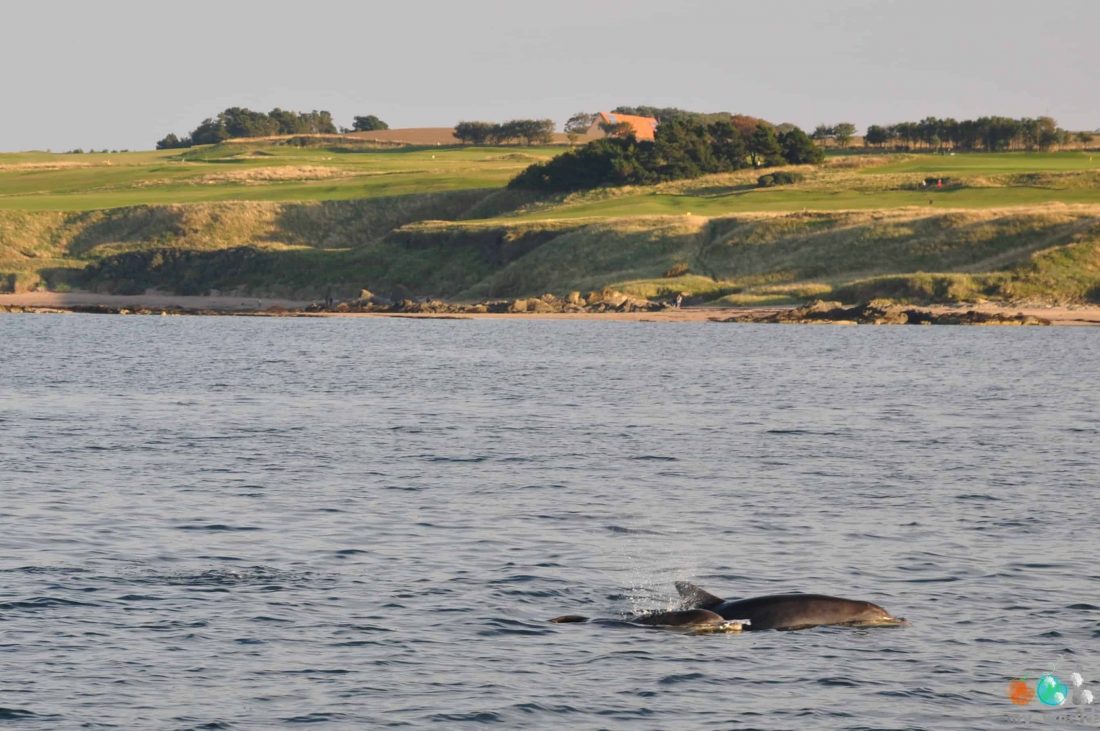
x=727, y=145
x=799, y=149
x=474, y=133
x=970, y=134
x=369, y=123
x=578, y=125
x=746, y=125
x=533, y=131
x=288, y=123
x=843, y=132
x=1049, y=134
x=505, y=132
x=907, y=132
x=672, y=114
x=681, y=148
x=822, y=132
x=241, y=122
x=610, y=160
x=321, y=122
x=1084, y=138
x=171, y=142
x=617, y=129
x=764, y=148
x=209, y=132
x=876, y=135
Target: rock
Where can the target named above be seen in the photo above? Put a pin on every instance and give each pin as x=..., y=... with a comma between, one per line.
x=574, y=298
x=518, y=306
x=613, y=298
x=821, y=306
x=884, y=312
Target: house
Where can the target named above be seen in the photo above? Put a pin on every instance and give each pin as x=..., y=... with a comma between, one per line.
x=644, y=127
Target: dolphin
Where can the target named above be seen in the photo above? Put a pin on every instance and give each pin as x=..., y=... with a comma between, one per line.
x=694, y=620
x=790, y=611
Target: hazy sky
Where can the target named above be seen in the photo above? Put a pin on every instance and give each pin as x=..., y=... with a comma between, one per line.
x=123, y=73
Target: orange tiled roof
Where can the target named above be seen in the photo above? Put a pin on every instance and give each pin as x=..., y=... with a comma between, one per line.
x=644, y=127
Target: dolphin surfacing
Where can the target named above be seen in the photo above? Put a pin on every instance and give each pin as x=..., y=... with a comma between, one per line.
x=790, y=611
x=694, y=620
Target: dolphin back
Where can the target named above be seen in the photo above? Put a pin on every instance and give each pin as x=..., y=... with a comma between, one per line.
x=692, y=597
x=789, y=611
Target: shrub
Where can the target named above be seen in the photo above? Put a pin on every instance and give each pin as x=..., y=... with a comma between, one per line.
x=783, y=177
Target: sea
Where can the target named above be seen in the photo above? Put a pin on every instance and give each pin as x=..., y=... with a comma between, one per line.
x=277, y=523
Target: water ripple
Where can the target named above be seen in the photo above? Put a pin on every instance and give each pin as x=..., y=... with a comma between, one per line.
x=270, y=523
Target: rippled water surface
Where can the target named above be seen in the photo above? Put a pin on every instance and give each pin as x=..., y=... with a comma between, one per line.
x=235, y=523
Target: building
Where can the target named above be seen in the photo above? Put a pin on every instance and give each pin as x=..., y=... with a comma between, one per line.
x=644, y=127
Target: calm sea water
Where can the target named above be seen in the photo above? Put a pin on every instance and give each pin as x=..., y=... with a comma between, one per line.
x=234, y=523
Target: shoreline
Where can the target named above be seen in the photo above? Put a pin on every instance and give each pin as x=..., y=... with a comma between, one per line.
x=159, y=303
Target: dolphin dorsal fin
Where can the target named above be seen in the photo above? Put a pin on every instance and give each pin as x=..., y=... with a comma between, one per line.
x=695, y=598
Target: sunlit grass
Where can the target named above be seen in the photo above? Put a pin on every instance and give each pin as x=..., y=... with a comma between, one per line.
x=438, y=221
x=71, y=182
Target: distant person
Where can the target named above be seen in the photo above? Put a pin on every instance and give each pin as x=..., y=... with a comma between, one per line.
x=679, y=299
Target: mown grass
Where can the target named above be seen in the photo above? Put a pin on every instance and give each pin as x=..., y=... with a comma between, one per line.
x=995, y=163
x=39, y=181
x=72, y=182
x=856, y=183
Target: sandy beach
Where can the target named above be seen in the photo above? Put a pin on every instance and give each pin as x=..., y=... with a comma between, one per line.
x=67, y=301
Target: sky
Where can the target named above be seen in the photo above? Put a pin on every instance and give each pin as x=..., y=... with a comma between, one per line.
x=120, y=74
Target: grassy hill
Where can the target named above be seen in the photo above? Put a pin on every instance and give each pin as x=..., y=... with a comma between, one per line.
x=301, y=217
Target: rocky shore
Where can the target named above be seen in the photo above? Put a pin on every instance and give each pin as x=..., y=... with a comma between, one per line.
x=594, y=302
x=607, y=304
x=883, y=312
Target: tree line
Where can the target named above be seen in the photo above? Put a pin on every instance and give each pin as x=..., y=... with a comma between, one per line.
x=242, y=122
x=527, y=131
x=989, y=134
x=671, y=114
x=682, y=148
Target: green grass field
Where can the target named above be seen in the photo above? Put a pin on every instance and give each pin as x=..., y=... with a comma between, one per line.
x=983, y=181
x=1009, y=225
x=255, y=172
x=80, y=182
x=995, y=163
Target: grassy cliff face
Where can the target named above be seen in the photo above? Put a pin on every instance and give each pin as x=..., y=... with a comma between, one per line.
x=282, y=220
x=1035, y=253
